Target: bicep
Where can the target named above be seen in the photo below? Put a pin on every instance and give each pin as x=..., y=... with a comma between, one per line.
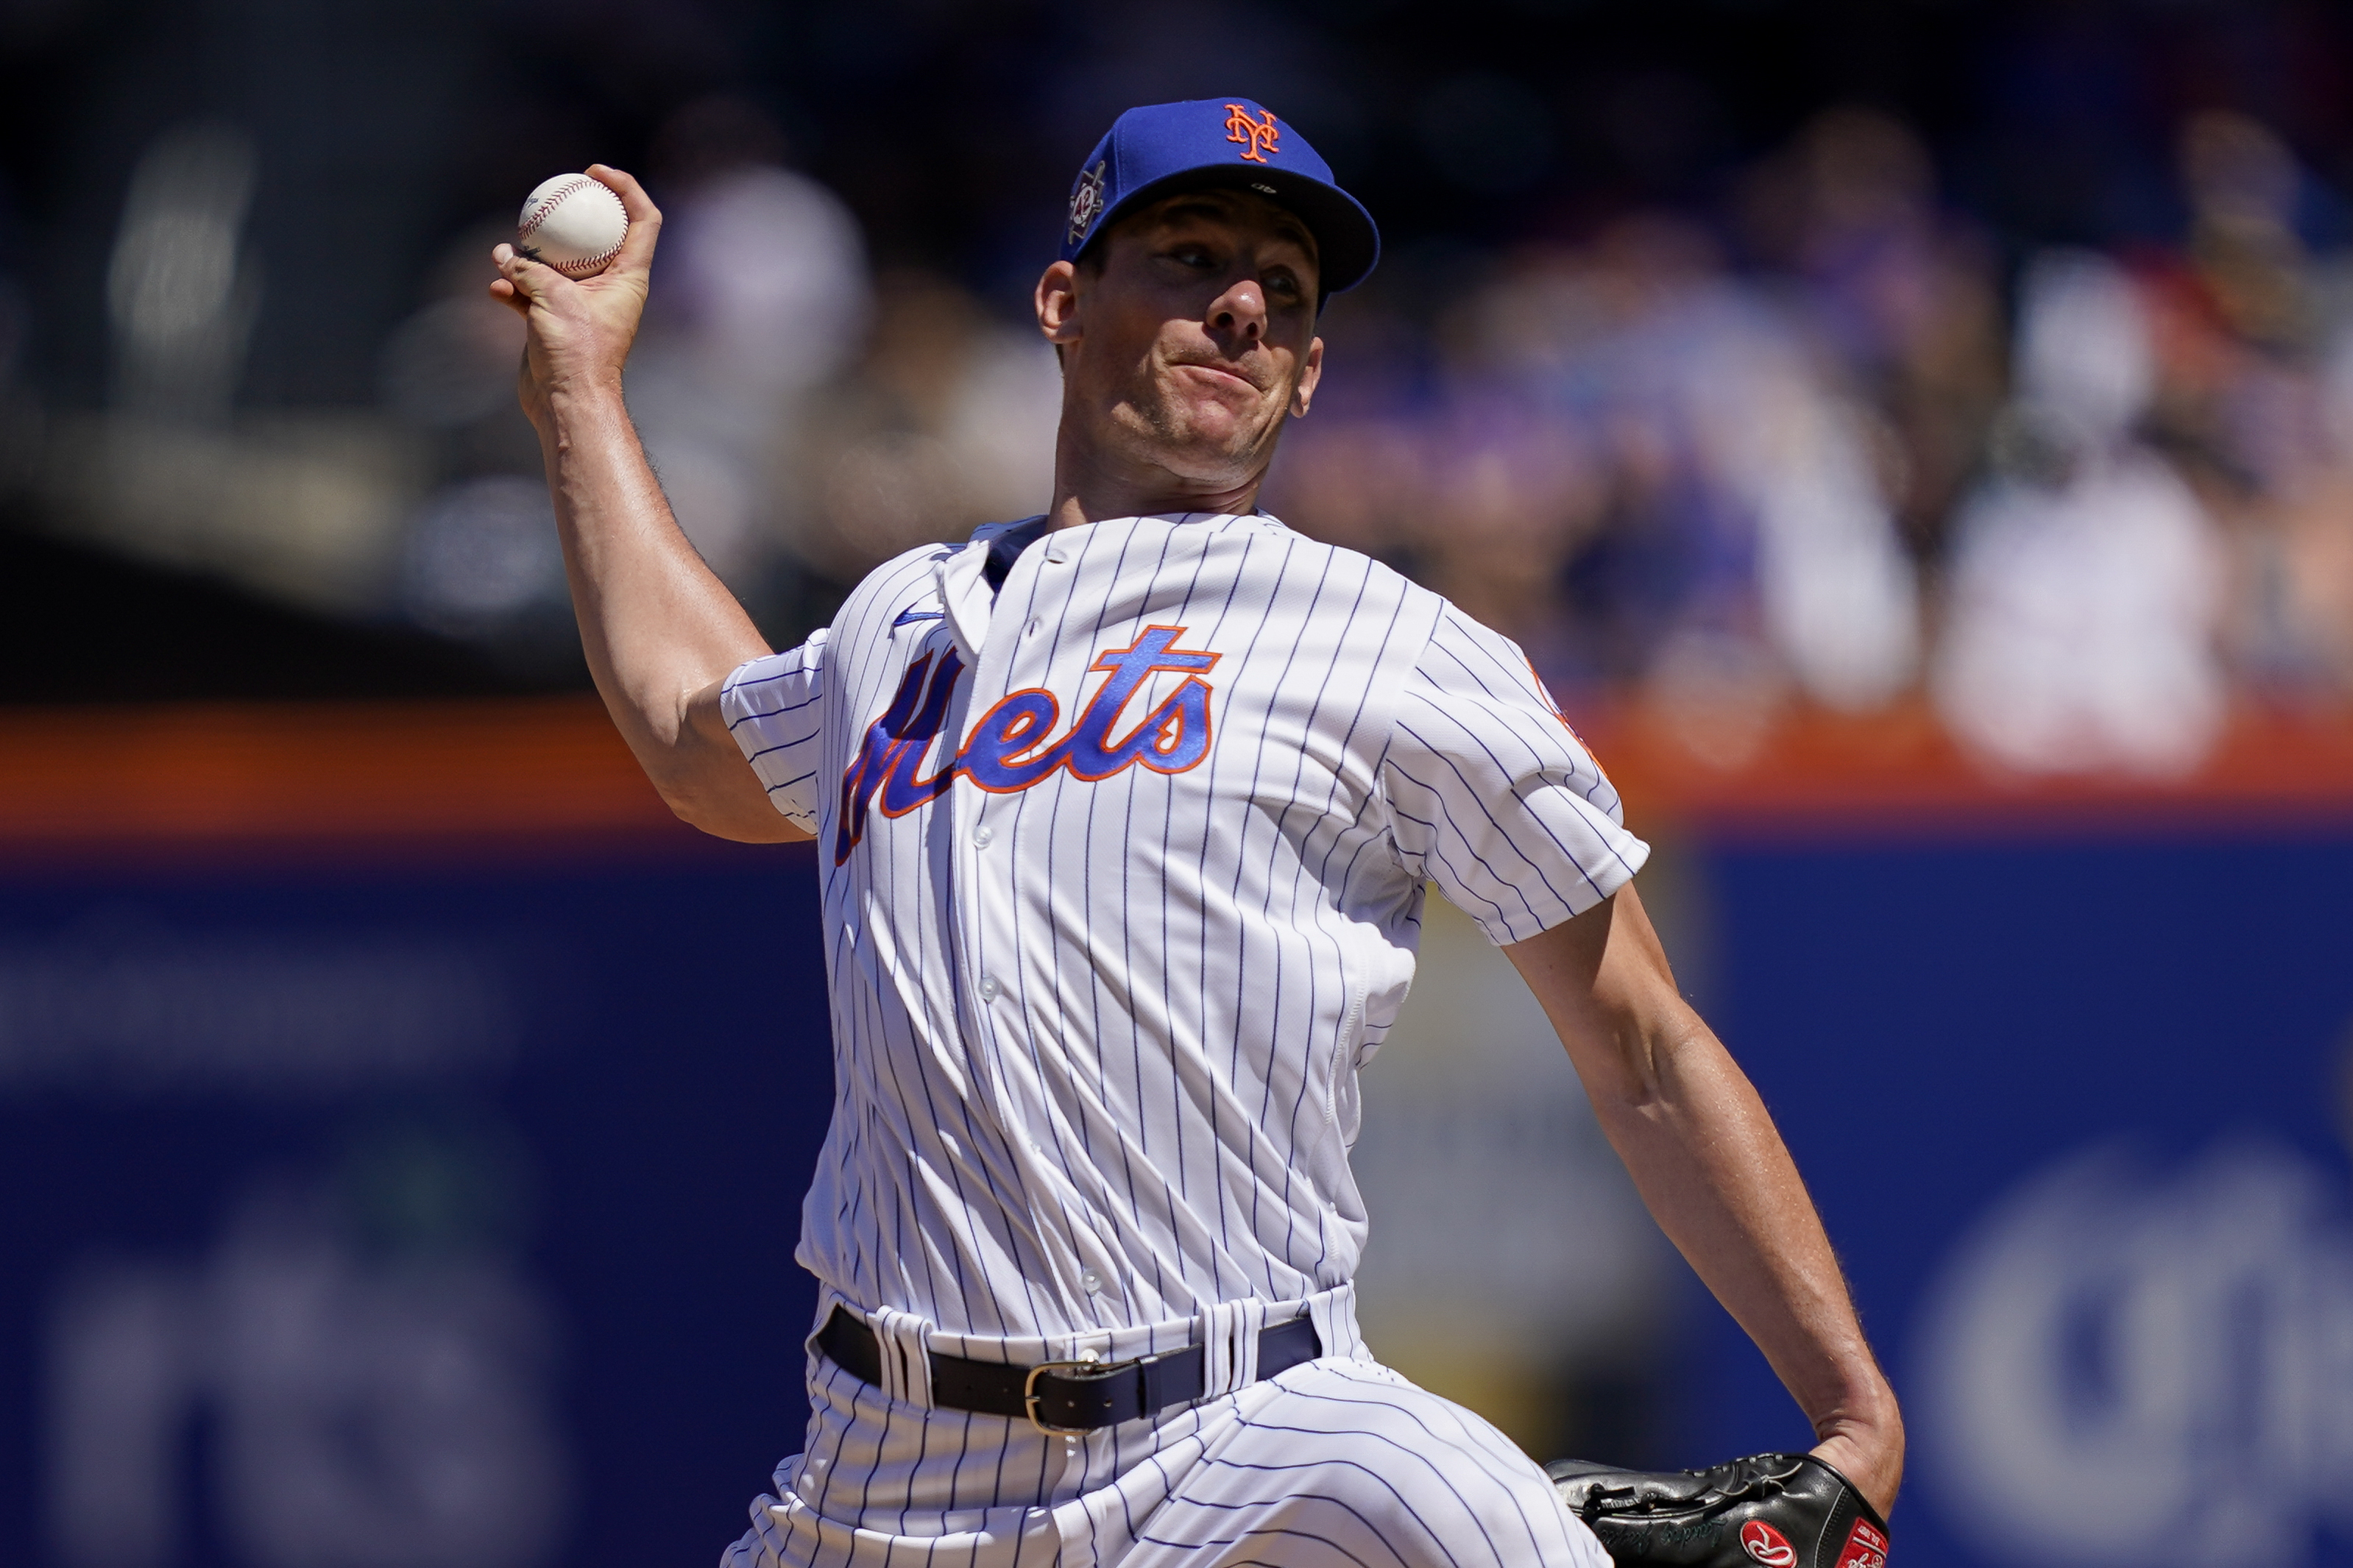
x=1603, y=980
x=758, y=740
x=726, y=796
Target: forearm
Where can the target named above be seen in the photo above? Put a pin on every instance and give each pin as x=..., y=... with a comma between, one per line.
x=657, y=627
x=1715, y=1174
x=659, y=631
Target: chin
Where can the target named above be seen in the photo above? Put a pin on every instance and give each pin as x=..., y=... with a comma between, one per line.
x=1218, y=461
x=1209, y=446
x=1218, y=436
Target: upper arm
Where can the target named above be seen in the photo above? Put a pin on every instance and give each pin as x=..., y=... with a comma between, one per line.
x=1493, y=796
x=1603, y=980
x=757, y=735
x=726, y=798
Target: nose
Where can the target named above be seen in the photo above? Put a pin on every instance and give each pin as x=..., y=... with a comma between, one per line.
x=1240, y=310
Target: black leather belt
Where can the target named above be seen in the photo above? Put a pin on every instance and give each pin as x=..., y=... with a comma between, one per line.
x=1062, y=1397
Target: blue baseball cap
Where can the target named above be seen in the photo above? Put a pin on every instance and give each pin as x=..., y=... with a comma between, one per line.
x=1162, y=149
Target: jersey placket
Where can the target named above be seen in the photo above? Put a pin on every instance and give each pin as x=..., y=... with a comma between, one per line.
x=985, y=900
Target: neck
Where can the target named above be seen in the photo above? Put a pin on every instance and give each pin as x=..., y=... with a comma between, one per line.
x=1091, y=485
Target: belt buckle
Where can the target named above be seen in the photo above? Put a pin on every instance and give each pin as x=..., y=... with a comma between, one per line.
x=1030, y=1396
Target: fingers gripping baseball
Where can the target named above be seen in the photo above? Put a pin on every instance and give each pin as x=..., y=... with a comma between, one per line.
x=580, y=330
x=519, y=278
x=645, y=220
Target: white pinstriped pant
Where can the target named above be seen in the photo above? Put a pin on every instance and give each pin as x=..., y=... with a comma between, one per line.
x=1335, y=1462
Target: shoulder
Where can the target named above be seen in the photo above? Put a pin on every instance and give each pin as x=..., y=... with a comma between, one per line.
x=1350, y=574
x=909, y=580
x=1458, y=640
x=908, y=567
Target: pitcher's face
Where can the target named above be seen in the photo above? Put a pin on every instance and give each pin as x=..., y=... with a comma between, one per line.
x=1194, y=337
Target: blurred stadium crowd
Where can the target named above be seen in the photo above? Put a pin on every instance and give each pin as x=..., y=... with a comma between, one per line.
x=1834, y=454
x=1796, y=425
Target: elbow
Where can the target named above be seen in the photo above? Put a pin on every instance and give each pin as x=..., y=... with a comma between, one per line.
x=1638, y=1074
x=690, y=801
x=695, y=812
x=1630, y=1091
x=742, y=819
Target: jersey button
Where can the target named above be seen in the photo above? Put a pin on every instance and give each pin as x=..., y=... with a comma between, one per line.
x=1090, y=1279
x=988, y=987
x=981, y=836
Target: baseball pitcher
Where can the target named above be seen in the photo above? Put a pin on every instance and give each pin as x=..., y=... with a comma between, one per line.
x=1125, y=815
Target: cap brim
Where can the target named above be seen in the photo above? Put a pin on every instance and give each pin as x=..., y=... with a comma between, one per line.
x=1347, y=245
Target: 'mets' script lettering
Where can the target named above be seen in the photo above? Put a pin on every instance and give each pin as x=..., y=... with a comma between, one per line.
x=1008, y=748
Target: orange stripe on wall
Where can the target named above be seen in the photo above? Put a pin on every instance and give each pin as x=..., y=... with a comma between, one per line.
x=553, y=768
x=1902, y=770
x=543, y=766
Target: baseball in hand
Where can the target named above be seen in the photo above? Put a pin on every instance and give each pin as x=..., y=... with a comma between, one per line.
x=572, y=224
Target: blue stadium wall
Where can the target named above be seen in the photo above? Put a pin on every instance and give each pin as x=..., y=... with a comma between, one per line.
x=433, y=1202
x=2075, y=1111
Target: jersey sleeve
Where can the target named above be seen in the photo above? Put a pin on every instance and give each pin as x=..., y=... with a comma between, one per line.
x=1491, y=794
x=775, y=707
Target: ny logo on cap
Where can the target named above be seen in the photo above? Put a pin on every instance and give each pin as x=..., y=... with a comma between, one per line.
x=1258, y=137
x=1086, y=201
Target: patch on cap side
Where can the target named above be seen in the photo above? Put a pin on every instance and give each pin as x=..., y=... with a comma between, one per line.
x=1087, y=201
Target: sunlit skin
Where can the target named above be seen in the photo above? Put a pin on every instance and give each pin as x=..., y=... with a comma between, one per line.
x=1183, y=353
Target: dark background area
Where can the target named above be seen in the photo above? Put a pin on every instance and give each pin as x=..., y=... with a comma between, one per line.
x=383, y=132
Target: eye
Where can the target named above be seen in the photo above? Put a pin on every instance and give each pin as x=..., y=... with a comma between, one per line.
x=1194, y=256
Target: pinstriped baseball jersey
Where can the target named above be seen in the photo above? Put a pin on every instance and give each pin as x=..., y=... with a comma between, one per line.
x=1123, y=849
x=1123, y=866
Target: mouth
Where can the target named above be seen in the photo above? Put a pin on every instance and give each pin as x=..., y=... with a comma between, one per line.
x=1219, y=373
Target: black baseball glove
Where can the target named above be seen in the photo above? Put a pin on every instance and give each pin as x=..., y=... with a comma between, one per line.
x=1780, y=1511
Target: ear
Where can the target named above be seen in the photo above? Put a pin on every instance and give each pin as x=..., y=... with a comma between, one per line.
x=1311, y=370
x=1058, y=303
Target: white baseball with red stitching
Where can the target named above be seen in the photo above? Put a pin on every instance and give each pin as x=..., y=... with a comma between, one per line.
x=572, y=224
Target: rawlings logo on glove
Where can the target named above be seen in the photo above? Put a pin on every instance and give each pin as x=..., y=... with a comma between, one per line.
x=1768, y=1511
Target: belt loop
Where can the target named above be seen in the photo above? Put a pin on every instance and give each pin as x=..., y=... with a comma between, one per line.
x=1334, y=1313
x=1228, y=1333
x=906, y=1360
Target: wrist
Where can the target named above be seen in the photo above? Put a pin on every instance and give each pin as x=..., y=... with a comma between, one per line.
x=585, y=394
x=1868, y=1415
x=1866, y=1444
x=574, y=409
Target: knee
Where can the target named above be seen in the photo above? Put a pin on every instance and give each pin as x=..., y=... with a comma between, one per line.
x=1396, y=1475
